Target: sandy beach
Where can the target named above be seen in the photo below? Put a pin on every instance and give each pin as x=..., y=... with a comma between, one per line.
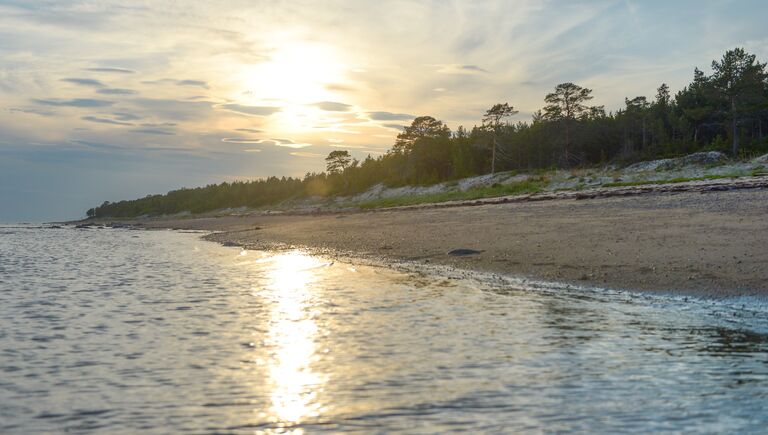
x=710, y=244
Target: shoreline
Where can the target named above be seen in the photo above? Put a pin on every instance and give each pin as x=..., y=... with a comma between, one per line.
x=704, y=243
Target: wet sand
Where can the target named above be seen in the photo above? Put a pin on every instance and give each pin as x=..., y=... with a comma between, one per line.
x=712, y=243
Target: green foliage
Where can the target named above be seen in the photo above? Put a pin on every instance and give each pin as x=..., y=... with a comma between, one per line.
x=337, y=161
x=203, y=199
x=421, y=129
x=725, y=111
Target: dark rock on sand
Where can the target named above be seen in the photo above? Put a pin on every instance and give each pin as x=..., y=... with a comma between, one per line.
x=463, y=251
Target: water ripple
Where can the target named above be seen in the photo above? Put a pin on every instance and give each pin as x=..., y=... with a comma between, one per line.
x=116, y=331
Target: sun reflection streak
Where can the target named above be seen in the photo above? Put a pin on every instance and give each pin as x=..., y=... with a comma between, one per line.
x=291, y=339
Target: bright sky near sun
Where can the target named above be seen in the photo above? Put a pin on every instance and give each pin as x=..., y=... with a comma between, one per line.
x=108, y=100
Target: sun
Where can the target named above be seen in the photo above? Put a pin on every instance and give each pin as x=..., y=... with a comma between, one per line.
x=295, y=78
x=297, y=73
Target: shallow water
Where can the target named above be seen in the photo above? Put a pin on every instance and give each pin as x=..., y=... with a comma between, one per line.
x=118, y=331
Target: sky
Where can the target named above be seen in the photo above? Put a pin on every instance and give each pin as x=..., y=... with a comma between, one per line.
x=108, y=100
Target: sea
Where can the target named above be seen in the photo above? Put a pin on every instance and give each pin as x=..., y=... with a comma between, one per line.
x=121, y=331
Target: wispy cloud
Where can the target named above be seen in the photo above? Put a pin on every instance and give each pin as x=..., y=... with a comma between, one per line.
x=389, y=116
x=104, y=120
x=110, y=70
x=286, y=143
x=460, y=69
x=153, y=131
x=332, y=106
x=193, y=83
x=339, y=87
x=30, y=110
x=84, y=82
x=241, y=140
x=73, y=102
x=250, y=110
x=171, y=109
x=116, y=91
x=158, y=124
x=197, y=83
x=124, y=116
x=306, y=154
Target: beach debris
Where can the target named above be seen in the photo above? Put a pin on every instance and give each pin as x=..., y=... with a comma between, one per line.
x=460, y=252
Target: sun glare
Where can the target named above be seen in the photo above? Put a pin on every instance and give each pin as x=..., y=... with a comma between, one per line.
x=296, y=77
x=296, y=73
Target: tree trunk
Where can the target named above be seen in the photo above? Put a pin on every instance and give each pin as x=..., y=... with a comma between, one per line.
x=567, y=141
x=493, y=156
x=626, y=146
x=734, y=128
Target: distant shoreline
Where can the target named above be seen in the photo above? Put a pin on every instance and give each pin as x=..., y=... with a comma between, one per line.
x=704, y=243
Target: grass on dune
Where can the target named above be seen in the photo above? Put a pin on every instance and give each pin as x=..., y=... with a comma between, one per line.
x=518, y=188
x=671, y=180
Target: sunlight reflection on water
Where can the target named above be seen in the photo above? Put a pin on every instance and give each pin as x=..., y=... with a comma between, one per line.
x=291, y=337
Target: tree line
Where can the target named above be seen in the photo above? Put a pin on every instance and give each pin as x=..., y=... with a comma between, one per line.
x=726, y=110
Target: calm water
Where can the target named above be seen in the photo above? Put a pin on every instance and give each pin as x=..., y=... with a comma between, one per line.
x=118, y=331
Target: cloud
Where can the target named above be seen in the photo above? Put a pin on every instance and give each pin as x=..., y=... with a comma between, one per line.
x=198, y=83
x=28, y=110
x=175, y=110
x=332, y=106
x=193, y=83
x=84, y=82
x=389, y=116
x=250, y=110
x=104, y=120
x=350, y=119
x=74, y=102
x=252, y=150
x=287, y=143
x=153, y=131
x=249, y=130
x=339, y=87
x=346, y=145
x=460, y=69
x=305, y=154
x=117, y=91
x=241, y=140
x=160, y=124
x=97, y=145
x=395, y=126
x=123, y=116
x=111, y=70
